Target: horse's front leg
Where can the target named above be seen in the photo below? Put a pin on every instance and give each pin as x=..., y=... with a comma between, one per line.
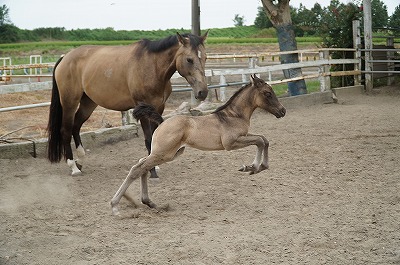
x=262, y=143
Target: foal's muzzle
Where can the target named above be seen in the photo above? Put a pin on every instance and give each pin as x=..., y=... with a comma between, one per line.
x=280, y=113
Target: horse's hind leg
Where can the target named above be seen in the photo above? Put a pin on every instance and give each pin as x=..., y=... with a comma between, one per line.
x=66, y=132
x=86, y=108
x=148, y=130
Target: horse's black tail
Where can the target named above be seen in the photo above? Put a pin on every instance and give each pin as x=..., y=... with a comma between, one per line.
x=146, y=111
x=55, y=148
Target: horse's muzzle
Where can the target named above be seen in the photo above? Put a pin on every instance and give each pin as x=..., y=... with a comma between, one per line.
x=201, y=95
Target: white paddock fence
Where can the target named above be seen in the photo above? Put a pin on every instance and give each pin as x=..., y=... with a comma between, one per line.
x=315, y=64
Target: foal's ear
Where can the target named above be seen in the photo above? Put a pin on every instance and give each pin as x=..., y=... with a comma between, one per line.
x=252, y=79
x=181, y=39
x=204, y=37
x=255, y=81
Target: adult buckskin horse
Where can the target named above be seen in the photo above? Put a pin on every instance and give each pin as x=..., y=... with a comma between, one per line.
x=117, y=78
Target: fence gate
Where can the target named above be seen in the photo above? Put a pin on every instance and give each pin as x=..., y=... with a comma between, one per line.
x=376, y=61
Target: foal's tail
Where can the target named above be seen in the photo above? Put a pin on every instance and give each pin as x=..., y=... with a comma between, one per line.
x=55, y=149
x=146, y=111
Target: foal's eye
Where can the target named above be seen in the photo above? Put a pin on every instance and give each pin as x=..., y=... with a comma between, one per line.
x=268, y=94
x=189, y=60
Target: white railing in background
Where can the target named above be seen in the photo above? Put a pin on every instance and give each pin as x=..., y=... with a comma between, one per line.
x=314, y=62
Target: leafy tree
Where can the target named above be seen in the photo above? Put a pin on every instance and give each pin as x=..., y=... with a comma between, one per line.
x=9, y=33
x=336, y=28
x=379, y=14
x=278, y=12
x=394, y=21
x=238, y=21
x=4, y=17
x=262, y=21
x=337, y=32
x=309, y=19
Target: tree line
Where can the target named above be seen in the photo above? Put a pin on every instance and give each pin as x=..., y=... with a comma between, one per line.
x=318, y=19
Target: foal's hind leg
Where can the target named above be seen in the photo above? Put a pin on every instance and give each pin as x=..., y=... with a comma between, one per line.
x=86, y=108
x=135, y=172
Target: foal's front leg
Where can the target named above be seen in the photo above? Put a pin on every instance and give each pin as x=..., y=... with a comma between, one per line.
x=260, y=162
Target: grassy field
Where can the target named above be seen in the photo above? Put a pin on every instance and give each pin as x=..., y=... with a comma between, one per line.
x=45, y=47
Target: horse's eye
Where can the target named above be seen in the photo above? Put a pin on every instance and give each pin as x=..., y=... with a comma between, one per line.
x=189, y=60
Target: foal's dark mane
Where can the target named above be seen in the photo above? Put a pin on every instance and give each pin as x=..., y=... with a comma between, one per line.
x=219, y=111
x=168, y=42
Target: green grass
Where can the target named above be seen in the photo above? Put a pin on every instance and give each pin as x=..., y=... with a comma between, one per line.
x=47, y=47
x=312, y=86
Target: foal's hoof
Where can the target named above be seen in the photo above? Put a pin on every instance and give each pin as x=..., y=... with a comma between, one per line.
x=245, y=168
x=115, y=211
x=76, y=173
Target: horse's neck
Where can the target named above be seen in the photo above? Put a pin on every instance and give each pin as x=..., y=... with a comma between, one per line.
x=166, y=61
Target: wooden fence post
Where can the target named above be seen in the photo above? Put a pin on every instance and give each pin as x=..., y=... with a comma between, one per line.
x=357, y=46
x=325, y=78
x=368, y=45
x=222, y=81
x=390, y=56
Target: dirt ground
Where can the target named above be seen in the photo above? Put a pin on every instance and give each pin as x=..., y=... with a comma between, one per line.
x=331, y=196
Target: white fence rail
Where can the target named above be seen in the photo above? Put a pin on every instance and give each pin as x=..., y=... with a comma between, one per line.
x=315, y=62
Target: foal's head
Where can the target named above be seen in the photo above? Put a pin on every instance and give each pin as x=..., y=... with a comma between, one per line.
x=266, y=98
x=190, y=62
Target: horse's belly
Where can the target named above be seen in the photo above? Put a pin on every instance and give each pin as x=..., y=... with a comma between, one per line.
x=111, y=98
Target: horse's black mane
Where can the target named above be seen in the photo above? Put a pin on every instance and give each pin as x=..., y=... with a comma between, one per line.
x=220, y=114
x=168, y=42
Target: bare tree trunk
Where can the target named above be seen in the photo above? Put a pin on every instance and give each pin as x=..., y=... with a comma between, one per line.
x=279, y=14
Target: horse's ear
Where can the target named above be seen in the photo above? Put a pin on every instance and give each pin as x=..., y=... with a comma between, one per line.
x=204, y=37
x=181, y=39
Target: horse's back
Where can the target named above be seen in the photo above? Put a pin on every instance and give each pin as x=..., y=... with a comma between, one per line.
x=101, y=72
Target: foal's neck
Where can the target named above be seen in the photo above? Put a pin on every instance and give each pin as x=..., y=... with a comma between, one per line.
x=242, y=105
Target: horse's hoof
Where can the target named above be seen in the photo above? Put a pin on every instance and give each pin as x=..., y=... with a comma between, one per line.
x=79, y=166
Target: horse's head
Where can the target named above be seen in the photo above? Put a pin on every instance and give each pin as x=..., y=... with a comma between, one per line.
x=190, y=62
x=266, y=98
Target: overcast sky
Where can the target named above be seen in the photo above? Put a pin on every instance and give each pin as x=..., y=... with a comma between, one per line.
x=138, y=14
